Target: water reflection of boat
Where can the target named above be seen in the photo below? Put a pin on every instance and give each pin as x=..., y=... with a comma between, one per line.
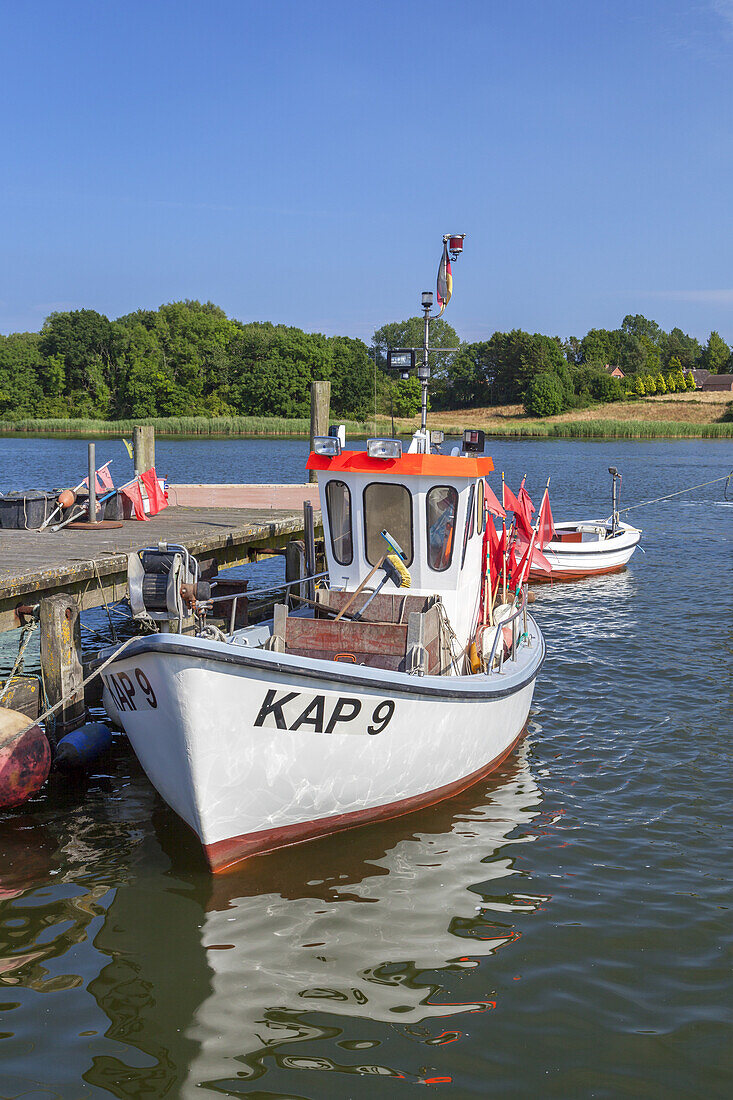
x=377, y=933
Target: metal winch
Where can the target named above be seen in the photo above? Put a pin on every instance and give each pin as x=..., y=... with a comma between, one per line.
x=163, y=585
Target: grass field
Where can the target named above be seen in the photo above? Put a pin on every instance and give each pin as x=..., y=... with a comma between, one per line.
x=675, y=415
x=688, y=415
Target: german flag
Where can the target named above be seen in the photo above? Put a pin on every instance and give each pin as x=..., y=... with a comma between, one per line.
x=445, y=279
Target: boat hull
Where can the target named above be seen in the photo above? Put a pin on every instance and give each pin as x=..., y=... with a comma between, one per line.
x=573, y=561
x=256, y=750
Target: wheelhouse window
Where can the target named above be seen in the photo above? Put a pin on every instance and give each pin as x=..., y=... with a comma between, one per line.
x=480, y=507
x=338, y=505
x=387, y=508
x=442, y=505
x=468, y=529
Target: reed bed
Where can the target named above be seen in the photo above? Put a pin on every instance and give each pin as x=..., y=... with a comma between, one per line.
x=588, y=429
x=613, y=429
x=172, y=425
x=281, y=426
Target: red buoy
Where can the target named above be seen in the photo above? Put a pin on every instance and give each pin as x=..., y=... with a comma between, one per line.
x=25, y=758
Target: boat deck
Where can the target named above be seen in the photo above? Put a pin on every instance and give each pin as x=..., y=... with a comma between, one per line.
x=92, y=565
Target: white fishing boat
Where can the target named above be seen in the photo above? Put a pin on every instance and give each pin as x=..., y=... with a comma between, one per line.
x=590, y=547
x=586, y=549
x=316, y=721
x=364, y=703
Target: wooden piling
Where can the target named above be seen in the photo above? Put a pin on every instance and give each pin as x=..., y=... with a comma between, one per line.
x=143, y=447
x=310, y=549
x=61, y=660
x=295, y=567
x=320, y=412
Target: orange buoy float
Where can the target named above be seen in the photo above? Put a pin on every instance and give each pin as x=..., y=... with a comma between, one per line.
x=25, y=758
x=67, y=498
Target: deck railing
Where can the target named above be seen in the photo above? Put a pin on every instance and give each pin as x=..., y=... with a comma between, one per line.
x=499, y=633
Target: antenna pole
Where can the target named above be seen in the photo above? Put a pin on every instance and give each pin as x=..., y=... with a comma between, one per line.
x=614, y=500
x=425, y=372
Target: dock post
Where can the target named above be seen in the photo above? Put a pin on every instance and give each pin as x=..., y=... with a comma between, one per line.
x=295, y=568
x=310, y=549
x=143, y=447
x=92, y=483
x=61, y=660
x=320, y=412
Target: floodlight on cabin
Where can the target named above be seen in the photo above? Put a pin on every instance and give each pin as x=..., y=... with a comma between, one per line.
x=384, y=448
x=329, y=445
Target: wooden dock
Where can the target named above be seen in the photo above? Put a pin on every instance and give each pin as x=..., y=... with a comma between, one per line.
x=226, y=525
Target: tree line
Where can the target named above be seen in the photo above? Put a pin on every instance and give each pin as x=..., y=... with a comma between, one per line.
x=188, y=358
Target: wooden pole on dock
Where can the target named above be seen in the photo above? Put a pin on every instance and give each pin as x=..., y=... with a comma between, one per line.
x=61, y=660
x=143, y=447
x=310, y=549
x=320, y=412
x=295, y=566
x=92, y=483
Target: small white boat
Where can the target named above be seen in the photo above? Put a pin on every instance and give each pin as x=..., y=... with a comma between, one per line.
x=590, y=547
x=587, y=549
x=364, y=706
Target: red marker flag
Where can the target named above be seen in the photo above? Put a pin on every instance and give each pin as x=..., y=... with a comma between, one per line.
x=511, y=561
x=546, y=529
x=524, y=519
x=133, y=494
x=156, y=497
x=526, y=501
x=492, y=551
x=104, y=478
x=510, y=501
x=538, y=558
x=498, y=549
x=492, y=502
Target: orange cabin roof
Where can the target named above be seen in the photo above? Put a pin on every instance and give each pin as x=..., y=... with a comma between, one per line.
x=408, y=465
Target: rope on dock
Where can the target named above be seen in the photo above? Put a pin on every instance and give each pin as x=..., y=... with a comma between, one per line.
x=643, y=503
x=17, y=667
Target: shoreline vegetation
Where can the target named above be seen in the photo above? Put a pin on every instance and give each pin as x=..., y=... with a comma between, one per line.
x=190, y=365
x=688, y=416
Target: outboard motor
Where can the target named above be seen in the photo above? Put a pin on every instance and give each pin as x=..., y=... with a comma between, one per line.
x=163, y=584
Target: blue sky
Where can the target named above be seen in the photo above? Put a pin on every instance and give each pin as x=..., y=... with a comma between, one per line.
x=299, y=162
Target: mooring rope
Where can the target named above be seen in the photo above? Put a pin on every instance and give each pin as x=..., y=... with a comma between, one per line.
x=87, y=679
x=28, y=630
x=643, y=503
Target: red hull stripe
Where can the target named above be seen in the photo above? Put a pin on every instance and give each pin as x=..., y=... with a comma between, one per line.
x=574, y=575
x=226, y=853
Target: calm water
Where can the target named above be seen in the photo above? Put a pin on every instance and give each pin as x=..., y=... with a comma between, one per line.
x=563, y=930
